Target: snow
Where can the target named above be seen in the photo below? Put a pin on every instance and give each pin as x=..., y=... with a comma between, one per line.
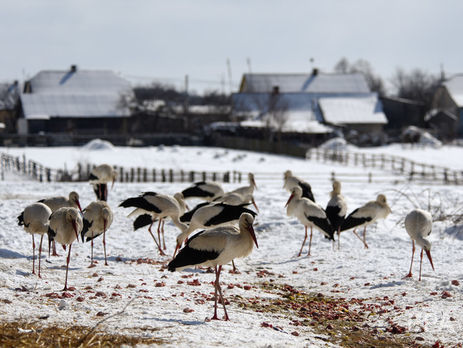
x=159, y=302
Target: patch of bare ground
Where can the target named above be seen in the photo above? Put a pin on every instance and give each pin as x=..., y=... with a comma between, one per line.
x=20, y=334
x=346, y=322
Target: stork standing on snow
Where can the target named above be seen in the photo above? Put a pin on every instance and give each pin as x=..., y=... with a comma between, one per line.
x=205, y=190
x=65, y=226
x=418, y=224
x=336, y=208
x=216, y=247
x=35, y=218
x=99, y=178
x=212, y=215
x=54, y=203
x=366, y=215
x=98, y=217
x=247, y=192
x=159, y=206
x=309, y=214
x=291, y=181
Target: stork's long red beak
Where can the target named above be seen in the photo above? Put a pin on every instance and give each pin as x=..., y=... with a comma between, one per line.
x=428, y=253
x=176, y=249
x=254, y=203
x=289, y=200
x=74, y=226
x=253, y=235
x=78, y=204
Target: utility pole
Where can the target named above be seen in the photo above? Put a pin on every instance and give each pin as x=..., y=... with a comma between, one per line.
x=229, y=75
x=186, y=102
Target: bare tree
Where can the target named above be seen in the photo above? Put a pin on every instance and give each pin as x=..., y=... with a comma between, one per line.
x=375, y=83
x=416, y=85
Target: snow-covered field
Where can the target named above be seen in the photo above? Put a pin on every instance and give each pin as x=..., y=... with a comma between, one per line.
x=174, y=306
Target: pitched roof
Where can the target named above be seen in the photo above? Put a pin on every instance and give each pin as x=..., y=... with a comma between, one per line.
x=362, y=110
x=305, y=83
x=76, y=93
x=454, y=86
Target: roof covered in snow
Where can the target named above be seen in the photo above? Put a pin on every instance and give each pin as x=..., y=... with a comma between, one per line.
x=305, y=83
x=454, y=86
x=76, y=93
x=340, y=111
x=303, y=121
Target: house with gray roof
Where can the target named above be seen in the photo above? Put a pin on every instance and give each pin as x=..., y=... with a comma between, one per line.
x=329, y=100
x=73, y=101
x=449, y=98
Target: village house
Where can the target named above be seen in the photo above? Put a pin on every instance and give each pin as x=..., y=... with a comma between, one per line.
x=446, y=116
x=75, y=101
x=8, y=102
x=311, y=103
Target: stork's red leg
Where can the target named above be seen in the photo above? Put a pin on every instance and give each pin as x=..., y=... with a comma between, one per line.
x=303, y=242
x=365, y=237
x=221, y=295
x=163, y=239
x=54, y=253
x=409, y=275
x=310, y=241
x=421, y=261
x=215, y=317
x=155, y=241
x=92, y=264
x=33, y=255
x=40, y=253
x=339, y=237
x=67, y=268
x=104, y=248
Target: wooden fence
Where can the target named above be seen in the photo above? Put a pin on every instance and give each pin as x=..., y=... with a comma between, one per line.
x=412, y=170
x=35, y=170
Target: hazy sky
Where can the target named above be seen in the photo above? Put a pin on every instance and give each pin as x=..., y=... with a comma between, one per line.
x=165, y=40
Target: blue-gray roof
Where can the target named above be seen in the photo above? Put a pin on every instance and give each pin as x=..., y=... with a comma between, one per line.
x=304, y=83
x=76, y=93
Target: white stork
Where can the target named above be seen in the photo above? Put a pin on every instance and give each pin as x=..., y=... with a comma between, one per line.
x=210, y=216
x=216, y=247
x=309, y=214
x=247, y=192
x=99, y=178
x=159, y=206
x=336, y=208
x=65, y=226
x=35, y=218
x=418, y=224
x=291, y=181
x=54, y=203
x=366, y=215
x=205, y=190
x=98, y=217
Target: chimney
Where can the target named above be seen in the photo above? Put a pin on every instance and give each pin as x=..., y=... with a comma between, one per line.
x=73, y=68
x=314, y=71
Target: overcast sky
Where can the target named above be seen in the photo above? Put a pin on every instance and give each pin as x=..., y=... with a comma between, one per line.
x=165, y=40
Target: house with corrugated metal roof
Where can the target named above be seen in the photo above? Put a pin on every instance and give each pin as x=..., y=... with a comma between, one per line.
x=448, y=98
x=75, y=101
x=310, y=102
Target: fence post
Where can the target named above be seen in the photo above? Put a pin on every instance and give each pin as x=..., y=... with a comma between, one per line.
x=145, y=175
x=446, y=178
x=226, y=177
x=48, y=173
x=163, y=175
x=182, y=176
x=132, y=174
x=204, y=176
x=333, y=176
x=154, y=175
x=171, y=175
x=214, y=176
x=370, y=177
x=138, y=174
x=192, y=176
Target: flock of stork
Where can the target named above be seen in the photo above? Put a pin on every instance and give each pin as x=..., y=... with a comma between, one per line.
x=226, y=222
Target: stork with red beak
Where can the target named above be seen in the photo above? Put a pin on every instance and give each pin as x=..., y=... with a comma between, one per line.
x=98, y=217
x=65, y=226
x=217, y=247
x=247, y=192
x=418, y=224
x=309, y=214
